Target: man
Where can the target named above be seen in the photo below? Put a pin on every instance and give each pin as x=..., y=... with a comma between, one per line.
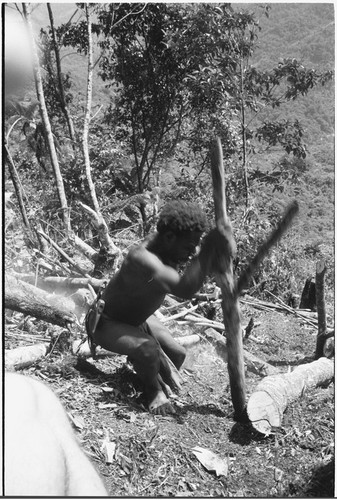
x=150, y=271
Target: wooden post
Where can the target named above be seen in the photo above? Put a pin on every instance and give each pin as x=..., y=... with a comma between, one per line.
x=225, y=280
x=320, y=303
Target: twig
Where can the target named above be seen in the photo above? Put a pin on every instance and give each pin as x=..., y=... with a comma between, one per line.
x=179, y=314
x=292, y=311
x=177, y=305
x=25, y=336
x=52, y=262
x=61, y=252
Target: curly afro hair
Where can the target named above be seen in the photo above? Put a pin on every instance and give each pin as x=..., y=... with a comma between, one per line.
x=180, y=217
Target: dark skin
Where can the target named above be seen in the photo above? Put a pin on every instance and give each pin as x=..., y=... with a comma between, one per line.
x=133, y=295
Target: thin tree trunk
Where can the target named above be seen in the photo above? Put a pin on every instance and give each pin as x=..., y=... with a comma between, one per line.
x=244, y=140
x=102, y=229
x=17, y=185
x=108, y=247
x=59, y=77
x=46, y=123
x=85, y=136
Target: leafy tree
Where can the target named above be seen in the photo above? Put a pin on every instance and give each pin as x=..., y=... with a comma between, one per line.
x=182, y=73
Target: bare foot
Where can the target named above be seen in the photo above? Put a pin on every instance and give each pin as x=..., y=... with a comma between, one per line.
x=160, y=405
x=166, y=389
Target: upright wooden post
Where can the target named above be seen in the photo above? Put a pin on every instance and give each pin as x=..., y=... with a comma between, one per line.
x=225, y=280
x=321, y=314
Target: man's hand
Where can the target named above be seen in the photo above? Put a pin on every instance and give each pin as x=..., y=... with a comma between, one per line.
x=219, y=246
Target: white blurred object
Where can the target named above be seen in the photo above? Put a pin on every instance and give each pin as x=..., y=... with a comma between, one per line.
x=18, y=64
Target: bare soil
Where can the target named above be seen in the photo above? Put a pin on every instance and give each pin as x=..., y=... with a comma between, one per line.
x=152, y=455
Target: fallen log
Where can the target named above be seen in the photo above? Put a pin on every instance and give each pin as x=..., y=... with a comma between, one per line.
x=273, y=394
x=58, y=284
x=28, y=299
x=22, y=357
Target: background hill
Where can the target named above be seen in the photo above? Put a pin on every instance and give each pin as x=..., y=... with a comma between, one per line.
x=305, y=32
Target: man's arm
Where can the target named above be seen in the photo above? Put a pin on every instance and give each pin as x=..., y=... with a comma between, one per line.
x=186, y=285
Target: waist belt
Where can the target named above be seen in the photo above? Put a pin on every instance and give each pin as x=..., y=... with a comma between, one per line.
x=92, y=318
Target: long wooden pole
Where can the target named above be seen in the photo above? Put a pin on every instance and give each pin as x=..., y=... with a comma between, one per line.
x=273, y=238
x=225, y=280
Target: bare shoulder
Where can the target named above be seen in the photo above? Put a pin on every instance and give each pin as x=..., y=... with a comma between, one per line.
x=140, y=256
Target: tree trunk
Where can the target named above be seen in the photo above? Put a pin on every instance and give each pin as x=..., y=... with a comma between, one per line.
x=86, y=124
x=17, y=185
x=59, y=77
x=308, y=297
x=243, y=131
x=109, y=251
x=22, y=357
x=106, y=260
x=27, y=299
x=58, y=284
x=273, y=394
x=46, y=123
x=225, y=280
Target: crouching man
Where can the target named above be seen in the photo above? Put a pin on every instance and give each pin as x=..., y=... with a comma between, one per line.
x=150, y=271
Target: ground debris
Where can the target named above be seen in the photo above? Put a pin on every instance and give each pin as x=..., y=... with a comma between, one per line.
x=211, y=461
x=107, y=396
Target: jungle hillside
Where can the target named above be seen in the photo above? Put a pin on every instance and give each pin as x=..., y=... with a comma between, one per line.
x=132, y=116
x=109, y=112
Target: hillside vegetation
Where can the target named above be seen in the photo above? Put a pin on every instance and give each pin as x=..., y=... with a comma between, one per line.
x=179, y=166
x=126, y=101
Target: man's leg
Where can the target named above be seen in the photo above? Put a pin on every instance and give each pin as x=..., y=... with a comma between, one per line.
x=143, y=351
x=175, y=351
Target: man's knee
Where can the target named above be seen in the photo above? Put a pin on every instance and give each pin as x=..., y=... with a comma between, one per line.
x=180, y=356
x=146, y=355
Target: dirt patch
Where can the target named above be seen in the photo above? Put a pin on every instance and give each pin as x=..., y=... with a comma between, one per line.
x=152, y=454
